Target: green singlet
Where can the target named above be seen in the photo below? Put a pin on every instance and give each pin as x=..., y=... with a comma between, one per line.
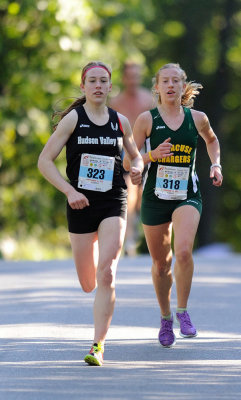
x=177, y=183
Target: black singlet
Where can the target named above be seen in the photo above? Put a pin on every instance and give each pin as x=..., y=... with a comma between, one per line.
x=90, y=138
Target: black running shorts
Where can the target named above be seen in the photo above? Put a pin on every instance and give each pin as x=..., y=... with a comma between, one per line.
x=89, y=218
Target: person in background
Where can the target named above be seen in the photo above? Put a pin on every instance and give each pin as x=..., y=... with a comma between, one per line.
x=132, y=101
x=94, y=135
x=171, y=196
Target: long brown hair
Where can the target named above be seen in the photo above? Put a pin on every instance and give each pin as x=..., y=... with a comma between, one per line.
x=79, y=100
x=191, y=90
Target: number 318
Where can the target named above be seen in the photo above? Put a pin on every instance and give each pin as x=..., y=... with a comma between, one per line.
x=170, y=184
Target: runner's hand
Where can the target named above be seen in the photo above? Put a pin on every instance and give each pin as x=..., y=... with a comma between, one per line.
x=77, y=200
x=136, y=176
x=216, y=176
x=163, y=150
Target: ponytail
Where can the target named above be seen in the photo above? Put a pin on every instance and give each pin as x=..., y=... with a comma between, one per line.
x=61, y=114
x=190, y=93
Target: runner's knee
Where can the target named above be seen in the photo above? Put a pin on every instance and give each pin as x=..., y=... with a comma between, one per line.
x=183, y=255
x=87, y=286
x=105, y=276
x=162, y=266
x=87, y=279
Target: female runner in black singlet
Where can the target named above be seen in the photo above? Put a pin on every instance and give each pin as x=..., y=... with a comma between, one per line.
x=94, y=136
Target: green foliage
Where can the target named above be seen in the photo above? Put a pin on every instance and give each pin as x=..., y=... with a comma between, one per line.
x=43, y=46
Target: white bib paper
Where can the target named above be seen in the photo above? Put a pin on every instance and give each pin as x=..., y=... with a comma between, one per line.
x=96, y=172
x=171, y=182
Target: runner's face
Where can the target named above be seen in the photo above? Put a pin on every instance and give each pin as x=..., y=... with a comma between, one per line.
x=170, y=85
x=97, y=85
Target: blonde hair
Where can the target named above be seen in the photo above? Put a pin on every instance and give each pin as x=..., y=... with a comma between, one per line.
x=191, y=90
x=79, y=100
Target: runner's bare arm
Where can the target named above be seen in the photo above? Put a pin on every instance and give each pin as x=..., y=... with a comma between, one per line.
x=213, y=148
x=51, y=151
x=136, y=162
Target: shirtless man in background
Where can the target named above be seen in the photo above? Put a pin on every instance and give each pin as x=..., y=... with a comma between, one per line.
x=132, y=101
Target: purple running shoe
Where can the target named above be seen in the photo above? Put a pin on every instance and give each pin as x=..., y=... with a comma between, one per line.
x=166, y=335
x=187, y=329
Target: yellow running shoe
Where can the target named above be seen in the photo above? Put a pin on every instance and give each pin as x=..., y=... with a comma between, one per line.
x=95, y=356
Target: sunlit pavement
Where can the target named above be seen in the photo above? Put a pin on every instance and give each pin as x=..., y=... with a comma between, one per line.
x=47, y=328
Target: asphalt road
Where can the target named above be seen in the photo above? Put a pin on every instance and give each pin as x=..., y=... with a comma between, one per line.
x=46, y=328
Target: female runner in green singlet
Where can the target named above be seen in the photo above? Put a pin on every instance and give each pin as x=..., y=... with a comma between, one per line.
x=171, y=196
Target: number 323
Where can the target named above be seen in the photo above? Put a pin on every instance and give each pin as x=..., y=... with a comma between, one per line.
x=96, y=173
